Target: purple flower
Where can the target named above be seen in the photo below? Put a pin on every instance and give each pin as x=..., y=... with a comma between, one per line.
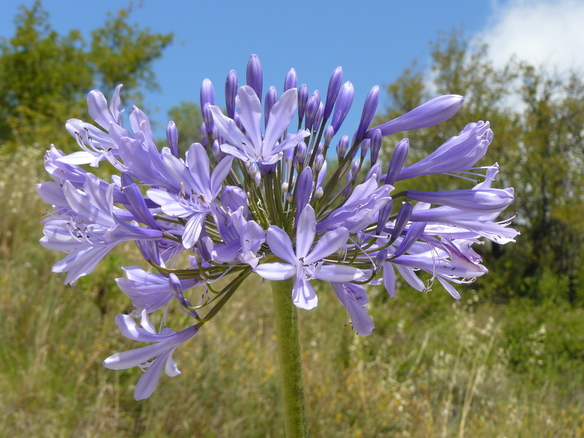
x=252, y=146
x=428, y=114
x=303, y=263
x=354, y=298
x=152, y=358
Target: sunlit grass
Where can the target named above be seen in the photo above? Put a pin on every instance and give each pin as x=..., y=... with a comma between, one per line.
x=432, y=367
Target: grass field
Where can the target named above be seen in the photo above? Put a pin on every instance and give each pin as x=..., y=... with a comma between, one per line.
x=433, y=367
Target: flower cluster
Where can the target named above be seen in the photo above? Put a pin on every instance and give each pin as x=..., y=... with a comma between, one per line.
x=263, y=194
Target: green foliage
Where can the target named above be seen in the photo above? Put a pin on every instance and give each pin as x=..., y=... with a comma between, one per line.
x=44, y=76
x=538, y=120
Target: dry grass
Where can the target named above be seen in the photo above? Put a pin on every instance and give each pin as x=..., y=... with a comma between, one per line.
x=432, y=367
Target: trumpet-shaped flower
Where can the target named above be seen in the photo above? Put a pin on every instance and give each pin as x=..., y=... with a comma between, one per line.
x=304, y=264
x=152, y=358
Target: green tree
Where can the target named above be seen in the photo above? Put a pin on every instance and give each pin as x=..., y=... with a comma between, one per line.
x=44, y=76
x=538, y=121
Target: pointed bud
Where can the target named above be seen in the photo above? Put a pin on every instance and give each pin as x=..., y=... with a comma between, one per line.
x=318, y=162
x=365, y=147
x=431, y=113
x=207, y=94
x=301, y=151
x=318, y=117
x=254, y=75
x=310, y=114
x=230, y=93
x=333, y=91
x=329, y=133
x=172, y=138
x=320, y=148
x=368, y=113
x=380, y=258
x=203, y=134
x=376, y=141
x=398, y=159
x=344, y=102
x=291, y=80
x=303, y=190
x=270, y=101
x=216, y=149
x=414, y=232
x=302, y=99
x=383, y=216
x=342, y=147
x=402, y=219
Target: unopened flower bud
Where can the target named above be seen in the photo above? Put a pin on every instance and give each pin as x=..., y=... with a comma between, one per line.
x=172, y=138
x=368, y=113
x=318, y=117
x=271, y=99
x=207, y=94
x=302, y=100
x=376, y=140
x=383, y=216
x=203, y=134
x=397, y=161
x=320, y=148
x=296, y=162
x=284, y=186
x=365, y=147
x=214, y=132
x=254, y=75
x=258, y=179
x=301, y=151
x=318, y=162
x=291, y=80
x=403, y=216
x=344, y=102
x=333, y=91
x=380, y=258
x=329, y=133
x=319, y=192
x=216, y=149
x=310, y=113
x=359, y=238
x=230, y=93
x=342, y=147
x=428, y=114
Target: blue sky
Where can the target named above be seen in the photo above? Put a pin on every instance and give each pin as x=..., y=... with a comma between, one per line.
x=372, y=40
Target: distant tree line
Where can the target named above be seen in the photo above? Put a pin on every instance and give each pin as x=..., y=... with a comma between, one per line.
x=45, y=76
x=537, y=116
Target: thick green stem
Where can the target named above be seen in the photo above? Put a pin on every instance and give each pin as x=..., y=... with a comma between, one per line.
x=290, y=359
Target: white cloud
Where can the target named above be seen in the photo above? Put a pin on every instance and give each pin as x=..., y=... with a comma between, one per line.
x=542, y=32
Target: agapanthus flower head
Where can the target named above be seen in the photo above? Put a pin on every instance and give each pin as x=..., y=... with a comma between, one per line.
x=261, y=195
